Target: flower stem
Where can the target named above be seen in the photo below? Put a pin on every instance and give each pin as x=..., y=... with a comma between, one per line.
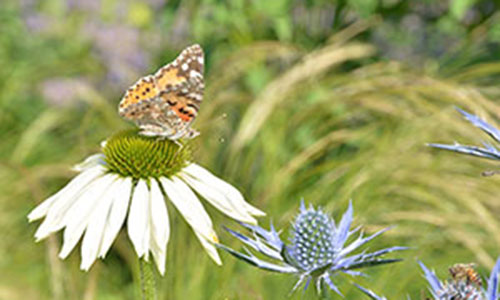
x=148, y=285
x=324, y=293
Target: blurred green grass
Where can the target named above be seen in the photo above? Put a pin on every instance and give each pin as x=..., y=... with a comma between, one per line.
x=297, y=105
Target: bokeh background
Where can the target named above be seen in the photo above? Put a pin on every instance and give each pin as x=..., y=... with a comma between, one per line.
x=325, y=100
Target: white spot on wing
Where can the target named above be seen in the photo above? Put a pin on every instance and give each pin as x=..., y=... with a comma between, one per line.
x=195, y=96
x=194, y=73
x=184, y=67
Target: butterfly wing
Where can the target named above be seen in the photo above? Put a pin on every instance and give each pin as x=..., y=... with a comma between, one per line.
x=133, y=105
x=166, y=103
x=181, y=89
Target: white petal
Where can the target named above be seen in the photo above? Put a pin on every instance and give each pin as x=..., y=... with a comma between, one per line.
x=231, y=193
x=90, y=162
x=97, y=221
x=117, y=215
x=159, y=255
x=66, y=193
x=138, y=219
x=219, y=200
x=210, y=248
x=78, y=216
x=160, y=230
x=189, y=206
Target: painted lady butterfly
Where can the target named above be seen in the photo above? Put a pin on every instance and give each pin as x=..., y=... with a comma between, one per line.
x=166, y=103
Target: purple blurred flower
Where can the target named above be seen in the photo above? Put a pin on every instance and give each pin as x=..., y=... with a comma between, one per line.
x=63, y=91
x=120, y=49
x=37, y=22
x=85, y=5
x=317, y=249
x=156, y=3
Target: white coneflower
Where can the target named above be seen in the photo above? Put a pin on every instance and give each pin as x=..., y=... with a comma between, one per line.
x=131, y=180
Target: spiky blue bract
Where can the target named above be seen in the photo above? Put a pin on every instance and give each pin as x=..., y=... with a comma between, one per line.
x=462, y=289
x=370, y=293
x=317, y=248
x=435, y=284
x=489, y=151
x=492, y=292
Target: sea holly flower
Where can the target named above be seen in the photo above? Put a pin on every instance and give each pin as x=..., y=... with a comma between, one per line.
x=465, y=284
x=131, y=179
x=318, y=248
x=487, y=151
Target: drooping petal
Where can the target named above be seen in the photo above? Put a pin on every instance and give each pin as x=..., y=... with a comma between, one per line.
x=219, y=200
x=159, y=255
x=97, y=221
x=231, y=193
x=117, y=214
x=209, y=247
x=90, y=162
x=77, y=217
x=138, y=223
x=55, y=207
x=189, y=206
x=160, y=229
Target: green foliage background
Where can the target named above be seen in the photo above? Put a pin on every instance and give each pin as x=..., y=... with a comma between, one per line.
x=325, y=100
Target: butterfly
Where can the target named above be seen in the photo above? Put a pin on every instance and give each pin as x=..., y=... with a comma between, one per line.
x=165, y=104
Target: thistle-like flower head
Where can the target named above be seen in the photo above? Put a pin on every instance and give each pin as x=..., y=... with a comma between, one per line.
x=464, y=284
x=318, y=248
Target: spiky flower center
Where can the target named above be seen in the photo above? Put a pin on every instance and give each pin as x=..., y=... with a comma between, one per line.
x=130, y=154
x=312, y=240
x=460, y=290
x=465, y=284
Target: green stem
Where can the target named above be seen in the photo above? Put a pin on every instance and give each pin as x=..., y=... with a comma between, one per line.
x=324, y=292
x=147, y=277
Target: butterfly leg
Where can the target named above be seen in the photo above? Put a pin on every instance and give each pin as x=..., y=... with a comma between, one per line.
x=178, y=144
